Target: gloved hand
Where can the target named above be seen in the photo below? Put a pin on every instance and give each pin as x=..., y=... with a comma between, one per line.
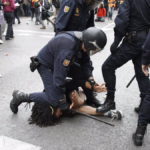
x=113, y=47
x=64, y=107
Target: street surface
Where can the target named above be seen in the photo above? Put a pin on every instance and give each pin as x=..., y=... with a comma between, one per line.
x=79, y=132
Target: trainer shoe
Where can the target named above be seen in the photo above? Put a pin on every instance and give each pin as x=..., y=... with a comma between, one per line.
x=1, y=42
x=115, y=114
x=43, y=27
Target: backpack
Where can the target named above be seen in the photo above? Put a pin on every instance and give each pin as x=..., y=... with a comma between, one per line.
x=56, y=3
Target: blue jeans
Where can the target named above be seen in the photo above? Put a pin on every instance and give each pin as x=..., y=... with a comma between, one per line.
x=101, y=19
x=110, y=12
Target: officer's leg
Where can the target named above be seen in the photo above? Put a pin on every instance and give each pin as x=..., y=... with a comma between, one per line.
x=48, y=97
x=143, y=81
x=144, y=119
x=76, y=73
x=108, y=69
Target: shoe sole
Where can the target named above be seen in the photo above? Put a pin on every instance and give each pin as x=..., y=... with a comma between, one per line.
x=11, y=105
x=137, y=143
x=121, y=114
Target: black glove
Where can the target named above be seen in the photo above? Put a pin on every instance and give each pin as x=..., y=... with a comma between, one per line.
x=113, y=47
x=64, y=107
x=92, y=82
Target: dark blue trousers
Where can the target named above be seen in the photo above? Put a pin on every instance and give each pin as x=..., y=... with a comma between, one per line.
x=144, y=115
x=49, y=96
x=125, y=52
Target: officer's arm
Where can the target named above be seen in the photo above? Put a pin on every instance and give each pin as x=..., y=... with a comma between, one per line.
x=90, y=22
x=122, y=21
x=146, y=51
x=86, y=65
x=65, y=12
x=61, y=68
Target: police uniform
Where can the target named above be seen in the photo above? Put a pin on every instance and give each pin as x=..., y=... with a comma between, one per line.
x=57, y=59
x=74, y=16
x=144, y=115
x=133, y=23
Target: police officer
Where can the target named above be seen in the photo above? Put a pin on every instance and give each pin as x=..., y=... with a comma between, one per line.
x=144, y=115
x=133, y=23
x=56, y=60
x=76, y=15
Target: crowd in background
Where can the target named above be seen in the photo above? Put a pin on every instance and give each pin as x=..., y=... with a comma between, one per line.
x=34, y=8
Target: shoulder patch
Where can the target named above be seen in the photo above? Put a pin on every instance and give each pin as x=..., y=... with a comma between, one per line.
x=66, y=9
x=66, y=62
x=121, y=1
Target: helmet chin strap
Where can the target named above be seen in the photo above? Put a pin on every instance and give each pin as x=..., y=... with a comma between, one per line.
x=94, y=43
x=79, y=35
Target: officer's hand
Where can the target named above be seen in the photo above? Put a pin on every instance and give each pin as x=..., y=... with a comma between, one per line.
x=145, y=69
x=100, y=88
x=113, y=47
x=64, y=107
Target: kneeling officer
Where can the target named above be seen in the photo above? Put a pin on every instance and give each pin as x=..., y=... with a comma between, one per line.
x=57, y=61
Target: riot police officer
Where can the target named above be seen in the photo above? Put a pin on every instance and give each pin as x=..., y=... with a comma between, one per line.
x=144, y=115
x=133, y=23
x=55, y=64
x=76, y=15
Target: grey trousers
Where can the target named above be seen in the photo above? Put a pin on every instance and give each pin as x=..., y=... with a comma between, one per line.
x=0, y=32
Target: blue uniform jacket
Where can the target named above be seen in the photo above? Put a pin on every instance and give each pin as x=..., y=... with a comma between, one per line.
x=133, y=15
x=146, y=51
x=58, y=55
x=74, y=16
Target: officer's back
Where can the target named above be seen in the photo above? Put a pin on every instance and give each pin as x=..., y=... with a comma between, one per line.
x=135, y=14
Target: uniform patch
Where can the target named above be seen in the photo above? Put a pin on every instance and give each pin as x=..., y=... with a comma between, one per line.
x=66, y=9
x=77, y=10
x=89, y=11
x=77, y=15
x=121, y=1
x=66, y=62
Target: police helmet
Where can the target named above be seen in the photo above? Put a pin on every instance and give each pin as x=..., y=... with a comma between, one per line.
x=94, y=38
x=92, y=4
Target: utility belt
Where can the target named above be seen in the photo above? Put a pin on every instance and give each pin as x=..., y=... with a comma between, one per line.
x=34, y=63
x=132, y=36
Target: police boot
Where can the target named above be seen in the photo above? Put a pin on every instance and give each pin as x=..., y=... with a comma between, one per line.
x=91, y=98
x=18, y=98
x=139, y=135
x=137, y=109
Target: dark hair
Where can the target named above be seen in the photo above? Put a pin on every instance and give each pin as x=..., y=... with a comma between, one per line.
x=43, y=115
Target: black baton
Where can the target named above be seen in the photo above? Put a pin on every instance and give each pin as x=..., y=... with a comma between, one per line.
x=92, y=117
x=130, y=81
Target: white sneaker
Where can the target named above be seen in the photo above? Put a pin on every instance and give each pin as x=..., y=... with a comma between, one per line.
x=115, y=114
x=1, y=42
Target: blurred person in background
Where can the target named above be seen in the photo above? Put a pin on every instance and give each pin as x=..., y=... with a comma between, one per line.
x=101, y=13
x=16, y=12
x=9, y=16
x=111, y=5
x=2, y=19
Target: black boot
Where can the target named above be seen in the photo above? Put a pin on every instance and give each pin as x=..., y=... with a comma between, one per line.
x=139, y=135
x=91, y=98
x=19, y=21
x=108, y=105
x=18, y=98
x=137, y=109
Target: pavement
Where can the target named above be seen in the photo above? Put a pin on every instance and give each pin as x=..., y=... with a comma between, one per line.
x=79, y=132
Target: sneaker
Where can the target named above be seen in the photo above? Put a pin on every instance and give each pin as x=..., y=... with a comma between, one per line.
x=1, y=42
x=43, y=27
x=115, y=114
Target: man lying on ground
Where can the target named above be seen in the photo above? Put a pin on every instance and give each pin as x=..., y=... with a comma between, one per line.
x=45, y=115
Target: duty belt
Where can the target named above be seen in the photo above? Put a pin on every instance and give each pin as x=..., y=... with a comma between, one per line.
x=135, y=32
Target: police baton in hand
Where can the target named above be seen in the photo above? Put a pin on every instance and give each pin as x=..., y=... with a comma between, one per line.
x=81, y=113
x=130, y=81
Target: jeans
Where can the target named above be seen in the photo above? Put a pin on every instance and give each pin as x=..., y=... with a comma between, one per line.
x=0, y=32
x=101, y=19
x=110, y=12
x=9, y=16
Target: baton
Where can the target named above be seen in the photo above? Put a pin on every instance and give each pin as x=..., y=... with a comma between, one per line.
x=130, y=81
x=92, y=117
